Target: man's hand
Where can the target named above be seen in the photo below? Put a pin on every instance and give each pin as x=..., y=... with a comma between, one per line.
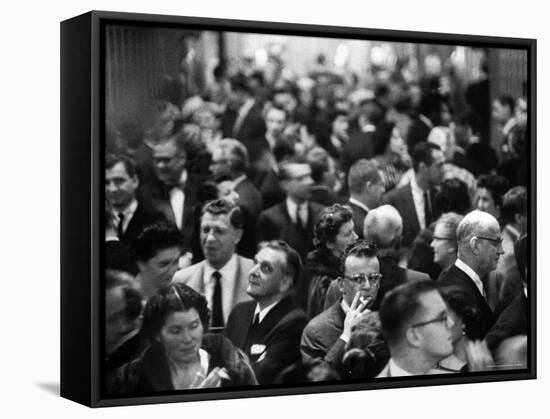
x=356, y=312
x=479, y=357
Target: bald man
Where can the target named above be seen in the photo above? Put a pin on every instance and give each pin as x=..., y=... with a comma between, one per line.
x=384, y=227
x=479, y=249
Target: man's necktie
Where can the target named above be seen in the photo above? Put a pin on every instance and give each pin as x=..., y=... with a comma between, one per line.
x=299, y=224
x=427, y=208
x=217, y=312
x=256, y=321
x=120, y=226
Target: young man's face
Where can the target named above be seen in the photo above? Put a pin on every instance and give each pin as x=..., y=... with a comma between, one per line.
x=218, y=238
x=120, y=187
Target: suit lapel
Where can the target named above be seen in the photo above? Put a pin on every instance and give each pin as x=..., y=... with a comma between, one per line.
x=408, y=202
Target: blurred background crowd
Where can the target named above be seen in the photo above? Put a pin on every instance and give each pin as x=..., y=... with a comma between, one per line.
x=284, y=209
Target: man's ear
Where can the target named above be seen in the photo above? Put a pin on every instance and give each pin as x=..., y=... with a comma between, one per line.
x=239, y=234
x=413, y=337
x=135, y=179
x=285, y=284
x=474, y=247
x=340, y=284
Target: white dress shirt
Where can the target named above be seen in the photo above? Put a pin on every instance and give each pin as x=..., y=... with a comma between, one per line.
x=303, y=211
x=471, y=274
x=128, y=213
x=419, y=204
x=177, y=200
x=397, y=371
x=264, y=311
x=228, y=280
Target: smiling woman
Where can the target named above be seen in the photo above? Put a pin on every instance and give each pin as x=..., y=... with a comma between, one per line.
x=180, y=355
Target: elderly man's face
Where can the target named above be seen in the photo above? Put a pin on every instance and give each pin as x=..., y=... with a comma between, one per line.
x=266, y=276
x=358, y=270
x=169, y=162
x=218, y=238
x=490, y=247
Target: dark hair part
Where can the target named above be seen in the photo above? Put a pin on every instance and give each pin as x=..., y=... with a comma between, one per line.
x=423, y=153
x=453, y=196
x=293, y=263
x=132, y=297
x=225, y=207
x=174, y=298
x=361, y=172
x=359, y=249
x=496, y=185
x=399, y=306
x=156, y=237
x=112, y=159
x=330, y=221
x=507, y=101
x=381, y=137
x=514, y=202
x=465, y=307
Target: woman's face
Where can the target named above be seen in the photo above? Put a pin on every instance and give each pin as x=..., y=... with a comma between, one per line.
x=484, y=202
x=181, y=335
x=346, y=235
x=397, y=145
x=444, y=246
x=457, y=327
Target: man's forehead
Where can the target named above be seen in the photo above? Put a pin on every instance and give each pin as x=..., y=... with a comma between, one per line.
x=297, y=170
x=118, y=170
x=432, y=302
x=215, y=219
x=270, y=255
x=165, y=148
x=361, y=264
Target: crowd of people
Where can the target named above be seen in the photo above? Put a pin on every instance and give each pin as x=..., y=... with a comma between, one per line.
x=273, y=230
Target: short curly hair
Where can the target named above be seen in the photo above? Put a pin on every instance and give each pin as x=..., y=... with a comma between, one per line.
x=330, y=221
x=174, y=298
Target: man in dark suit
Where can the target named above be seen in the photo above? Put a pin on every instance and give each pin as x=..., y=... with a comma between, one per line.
x=417, y=329
x=129, y=216
x=383, y=227
x=230, y=158
x=174, y=192
x=414, y=201
x=223, y=276
x=366, y=189
x=326, y=335
x=479, y=249
x=243, y=118
x=268, y=329
x=293, y=219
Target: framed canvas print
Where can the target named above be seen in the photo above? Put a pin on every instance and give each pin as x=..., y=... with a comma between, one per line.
x=258, y=209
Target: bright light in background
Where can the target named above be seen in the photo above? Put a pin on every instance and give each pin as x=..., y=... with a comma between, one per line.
x=383, y=56
x=432, y=65
x=261, y=57
x=458, y=58
x=342, y=56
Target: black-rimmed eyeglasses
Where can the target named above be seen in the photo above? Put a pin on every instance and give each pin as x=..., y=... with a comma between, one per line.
x=360, y=279
x=497, y=241
x=444, y=319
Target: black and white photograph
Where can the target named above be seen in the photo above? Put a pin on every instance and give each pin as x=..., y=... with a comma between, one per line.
x=292, y=210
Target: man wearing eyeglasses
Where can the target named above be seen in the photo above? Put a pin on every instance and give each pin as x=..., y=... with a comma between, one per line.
x=268, y=329
x=479, y=249
x=417, y=329
x=326, y=335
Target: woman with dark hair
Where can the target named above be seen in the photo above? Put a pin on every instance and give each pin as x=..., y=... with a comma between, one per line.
x=180, y=355
x=466, y=328
x=391, y=154
x=333, y=232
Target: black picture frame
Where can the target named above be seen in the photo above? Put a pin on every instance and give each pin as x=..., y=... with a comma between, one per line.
x=82, y=198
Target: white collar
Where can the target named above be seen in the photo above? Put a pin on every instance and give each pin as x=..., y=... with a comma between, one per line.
x=416, y=189
x=291, y=207
x=395, y=370
x=358, y=203
x=128, y=212
x=264, y=311
x=471, y=273
x=227, y=271
x=238, y=180
x=368, y=128
x=513, y=231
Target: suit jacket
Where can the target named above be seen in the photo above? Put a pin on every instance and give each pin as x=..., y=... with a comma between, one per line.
x=358, y=216
x=276, y=340
x=158, y=195
x=320, y=339
x=268, y=185
x=457, y=277
x=402, y=199
x=511, y=322
x=275, y=224
x=251, y=128
x=250, y=202
x=143, y=216
x=193, y=276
